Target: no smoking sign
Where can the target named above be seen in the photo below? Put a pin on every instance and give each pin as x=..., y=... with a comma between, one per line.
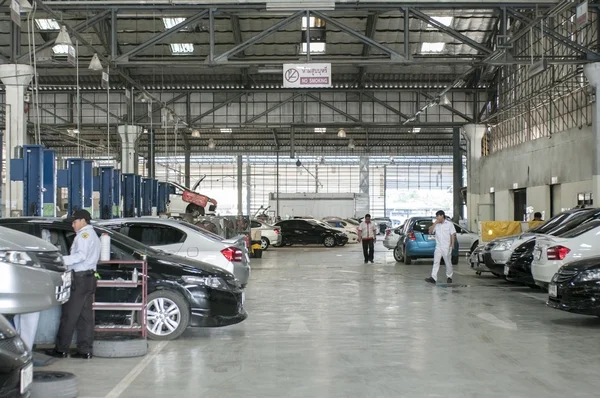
x=306, y=75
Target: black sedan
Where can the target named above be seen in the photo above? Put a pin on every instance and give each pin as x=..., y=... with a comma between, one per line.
x=16, y=368
x=518, y=268
x=576, y=287
x=310, y=232
x=181, y=292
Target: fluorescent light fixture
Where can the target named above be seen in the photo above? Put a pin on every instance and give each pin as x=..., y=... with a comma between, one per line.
x=294, y=5
x=211, y=143
x=226, y=130
x=416, y=130
x=170, y=22
x=432, y=47
x=47, y=24
x=446, y=21
x=60, y=49
x=314, y=23
x=182, y=48
x=315, y=48
x=321, y=130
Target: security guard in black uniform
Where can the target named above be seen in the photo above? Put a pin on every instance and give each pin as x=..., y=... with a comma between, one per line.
x=77, y=312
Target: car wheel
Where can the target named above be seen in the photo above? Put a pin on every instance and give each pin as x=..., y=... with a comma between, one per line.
x=168, y=315
x=120, y=346
x=194, y=210
x=407, y=259
x=329, y=241
x=52, y=384
x=264, y=243
x=454, y=260
x=398, y=254
x=475, y=244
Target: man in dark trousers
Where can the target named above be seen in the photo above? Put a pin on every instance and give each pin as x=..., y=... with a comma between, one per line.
x=367, y=234
x=77, y=312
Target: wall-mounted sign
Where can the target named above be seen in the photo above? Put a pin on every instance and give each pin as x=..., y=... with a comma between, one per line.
x=306, y=75
x=554, y=180
x=582, y=14
x=515, y=186
x=15, y=12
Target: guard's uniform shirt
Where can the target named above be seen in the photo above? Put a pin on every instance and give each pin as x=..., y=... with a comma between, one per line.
x=85, y=251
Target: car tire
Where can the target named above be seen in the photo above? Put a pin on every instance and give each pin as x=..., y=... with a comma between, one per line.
x=407, y=259
x=475, y=244
x=170, y=298
x=53, y=384
x=398, y=254
x=264, y=243
x=120, y=346
x=329, y=241
x=194, y=210
x=454, y=260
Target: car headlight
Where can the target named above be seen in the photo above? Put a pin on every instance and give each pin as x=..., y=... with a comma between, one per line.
x=209, y=281
x=589, y=275
x=17, y=257
x=503, y=245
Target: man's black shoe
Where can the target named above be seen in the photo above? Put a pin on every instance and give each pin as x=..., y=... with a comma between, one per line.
x=56, y=354
x=449, y=280
x=81, y=355
x=430, y=280
x=372, y=262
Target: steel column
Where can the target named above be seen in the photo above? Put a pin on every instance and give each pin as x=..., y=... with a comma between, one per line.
x=187, y=168
x=457, y=177
x=117, y=193
x=239, y=184
x=50, y=183
x=33, y=180
x=363, y=178
x=87, y=185
x=248, y=185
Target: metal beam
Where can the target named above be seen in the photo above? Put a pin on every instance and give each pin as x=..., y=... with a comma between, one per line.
x=385, y=105
x=242, y=46
x=237, y=37
x=370, y=33
x=333, y=108
x=395, y=56
x=159, y=107
x=83, y=25
x=160, y=37
x=222, y=104
x=271, y=109
x=94, y=105
x=449, y=31
x=275, y=138
x=450, y=108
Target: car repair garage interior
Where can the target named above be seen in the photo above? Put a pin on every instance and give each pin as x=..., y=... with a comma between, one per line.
x=299, y=198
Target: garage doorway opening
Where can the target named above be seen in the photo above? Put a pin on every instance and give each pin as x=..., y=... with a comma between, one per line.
x=520, y=204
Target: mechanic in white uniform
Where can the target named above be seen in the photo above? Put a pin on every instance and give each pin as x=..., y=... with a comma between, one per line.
x=445, y=236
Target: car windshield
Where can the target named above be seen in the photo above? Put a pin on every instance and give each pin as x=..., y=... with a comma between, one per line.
x=572, y=222
x=126, y=240
x=582, y=229
x=349, y=221
x=214, y=237
x=554, y=222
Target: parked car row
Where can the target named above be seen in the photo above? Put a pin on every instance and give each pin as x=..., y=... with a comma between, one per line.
x=412, y=241
x=561, y=256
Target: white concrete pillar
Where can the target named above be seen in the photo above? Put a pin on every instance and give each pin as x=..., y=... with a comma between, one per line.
x=129, y=136
x=16, y=79
x=474, y=134
x=592, y=72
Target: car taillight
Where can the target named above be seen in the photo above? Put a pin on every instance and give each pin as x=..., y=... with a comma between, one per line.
x=247, y=240
x=388, y=232
x=557, y=252
x=232, y=254
x=277, y=231
x=412, y=236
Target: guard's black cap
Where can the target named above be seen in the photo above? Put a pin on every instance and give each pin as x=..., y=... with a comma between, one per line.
x=80, y=215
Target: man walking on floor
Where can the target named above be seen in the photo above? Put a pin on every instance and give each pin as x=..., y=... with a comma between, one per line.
x=77, y=313
x=445, y=236
x=367, y=234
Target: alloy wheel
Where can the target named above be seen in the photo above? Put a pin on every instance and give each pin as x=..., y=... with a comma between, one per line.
x=163, y=316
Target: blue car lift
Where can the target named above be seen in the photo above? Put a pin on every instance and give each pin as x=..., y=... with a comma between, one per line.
x=50, y=183
x=75, y=184
x=147, y=196
x=154, y=197
x=30, y=170
x=129, y=191
x=106, y=188
x=117, y=193
x=162, y=197
x=138, y=195
x=88, y=186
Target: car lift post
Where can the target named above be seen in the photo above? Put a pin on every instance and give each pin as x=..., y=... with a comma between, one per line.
x=30, y=170
x=129, y=209
x=106, y=192
x=88, y=186
x=117, y=193
x=138, y=195
x=50, y=183
x=154, y=197
x=147, y=196
x=163, y=196
x=75, y=184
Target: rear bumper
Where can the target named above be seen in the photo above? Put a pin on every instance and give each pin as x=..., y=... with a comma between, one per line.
x=543, y=273
x=215, y=308
x=577, y=299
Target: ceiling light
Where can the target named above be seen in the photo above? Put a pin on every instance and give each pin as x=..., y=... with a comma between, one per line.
x=61, y=49
x=446, y=21
x=321, y=130
x=95, y=63
x=211, y=143
x=195, y=133
x=47, y=24
x=182, y=48
x=416, y=130
x=342, y=133
x=226, y=130
x=315, y=48
x=170, y=22
x=351, y=144
x=145, y=131
x=298, y=163
x=63, y=37
x=314, y=23
x=432, y=47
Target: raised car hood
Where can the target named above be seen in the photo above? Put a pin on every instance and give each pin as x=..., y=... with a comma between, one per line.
x=11, y=239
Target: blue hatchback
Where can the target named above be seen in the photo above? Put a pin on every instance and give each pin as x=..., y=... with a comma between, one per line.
x=416, y=242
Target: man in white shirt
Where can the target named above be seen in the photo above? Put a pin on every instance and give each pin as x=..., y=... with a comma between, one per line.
x=367, y=233
x=445, y=236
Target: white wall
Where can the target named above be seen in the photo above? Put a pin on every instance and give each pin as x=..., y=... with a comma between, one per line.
x=505, y=206
x=539, y=198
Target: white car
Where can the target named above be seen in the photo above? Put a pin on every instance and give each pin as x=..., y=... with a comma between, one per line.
x=186, y=240
x=392, y=236
x=344, y=226
x=270, y=234
x=552, y=252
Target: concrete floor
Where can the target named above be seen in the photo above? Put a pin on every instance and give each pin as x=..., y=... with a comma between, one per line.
x=323, y=324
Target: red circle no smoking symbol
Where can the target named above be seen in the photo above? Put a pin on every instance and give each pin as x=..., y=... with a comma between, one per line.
x=292, y=75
